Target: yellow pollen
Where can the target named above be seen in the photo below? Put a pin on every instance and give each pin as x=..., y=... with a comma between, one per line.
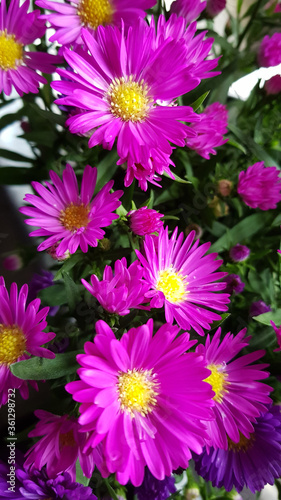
x=12, y=344
x=217, y=380
x=128, y=99
x=243, y=444
x=172, y=285
x=74, y=217
x=10, y=51
x=67, y=439
x=94, y=13
x=137, y=391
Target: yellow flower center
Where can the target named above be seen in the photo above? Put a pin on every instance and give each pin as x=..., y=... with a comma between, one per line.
x=137, y=391
x=10, y=51
x=94, y=13
x=12, y=344
x=172, y=285
x=67, y=439
x=243, y=444
x=217, y=380
x=75, y=216
x=128, y=99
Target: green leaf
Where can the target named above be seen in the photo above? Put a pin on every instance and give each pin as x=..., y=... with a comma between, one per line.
x=46, y=369
x=277, y=221
x=72, y=291
x=41, y=137
x=80, y=478
x=176, y=178
x=11, y=155
x=49, y=115
x=54, y=295
x=252, y=146
x=21, y=175
x=196, y=104
x=269, y=316
x=242, y=231
x=217, y=323
x=68, y=265
x=106, y=169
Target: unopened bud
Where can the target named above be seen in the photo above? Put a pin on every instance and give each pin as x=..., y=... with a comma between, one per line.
x=224, y=187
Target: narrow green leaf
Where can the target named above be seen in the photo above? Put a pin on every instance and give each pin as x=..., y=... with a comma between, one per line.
x=217, y=323
x=196, y=104
x=277, y=221
x=106, y=169
x=46, y=369
x=176, y=178
x=11, y=155
x=54, y=295
x=72, y=291
x=80, y=478
x=68, y=265
x=269, y=316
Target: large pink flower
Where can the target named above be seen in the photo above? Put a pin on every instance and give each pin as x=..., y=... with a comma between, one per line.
x=260, y=186
x=70, y=16
x=181, y=278
x=18, y=65
x=65, y=216
x=21, y=334
x=59, y=447
x=142, y=400
x=239, y=397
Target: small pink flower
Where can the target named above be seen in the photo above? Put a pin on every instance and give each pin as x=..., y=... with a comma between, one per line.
x=145, y=221
x=12, y=262
x=59, y=447
x=239, y=253
x=189, y=9
x=273, y=85
x=278, y=334
x=260, y=186
x=214, y=7
x=270, y=50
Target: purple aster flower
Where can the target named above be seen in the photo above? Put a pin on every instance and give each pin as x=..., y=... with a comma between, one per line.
x=239, y=397
x=120, y=291
x=126, y=86
x=188, y=9
x=17, y=65
x=270, y=50
x=35, y=484
x=182, y=279
x=214, y=7
x=252, y=462
x=234, y=284
x=258, y=307
x=210, y=130
x=278, y=335
x=273, y=85
x=145, y=221
x=59, y=447
x=65, y=216
x=21, y=332
x=143, y=399
x=153, y=489
x=70, y=16
x=239, y=253
x=260, y=186
x=39, y=282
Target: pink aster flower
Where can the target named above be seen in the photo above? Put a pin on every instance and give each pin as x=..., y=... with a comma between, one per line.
x=270, y=50
x=59, y=447
x=182, y=279
x=278, y=334
x=188, y=9
x=143, y=398
x=273, y=85
x=18, y=65
x=65, y=216
x=120, y=291
x=210, y=130
x=260, y=186
x=71, y=16
x=239, y=397
x=21, y=334
x=125, y=89
x=214, y=7
x=145, y=221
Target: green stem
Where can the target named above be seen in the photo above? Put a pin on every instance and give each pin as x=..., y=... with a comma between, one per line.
x=110, y=489
x=246, y=29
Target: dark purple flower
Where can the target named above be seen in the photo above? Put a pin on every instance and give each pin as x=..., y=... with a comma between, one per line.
x=234, y=284
x=153, y=489
x=258, y=308
x=238, y=253
x=39, y=282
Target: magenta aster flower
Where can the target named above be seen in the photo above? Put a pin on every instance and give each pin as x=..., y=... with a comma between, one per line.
x=145, y=221
x=142, y=399
x=69, y=17
x=239, y=397
x=120, y=291
x=210, y=130
x=278, y=334
x=214, y=7
x=270, y=50
x=70, y=218
x=234, y=284
x=125, y=89
x=60, y=446
x=252, y=462
x=258, y=307
x=18, y=65
x=239, y=253
x=188, y=9
x=182, y=279
x=273, y=85
x=260, y=186
x=21, y=332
